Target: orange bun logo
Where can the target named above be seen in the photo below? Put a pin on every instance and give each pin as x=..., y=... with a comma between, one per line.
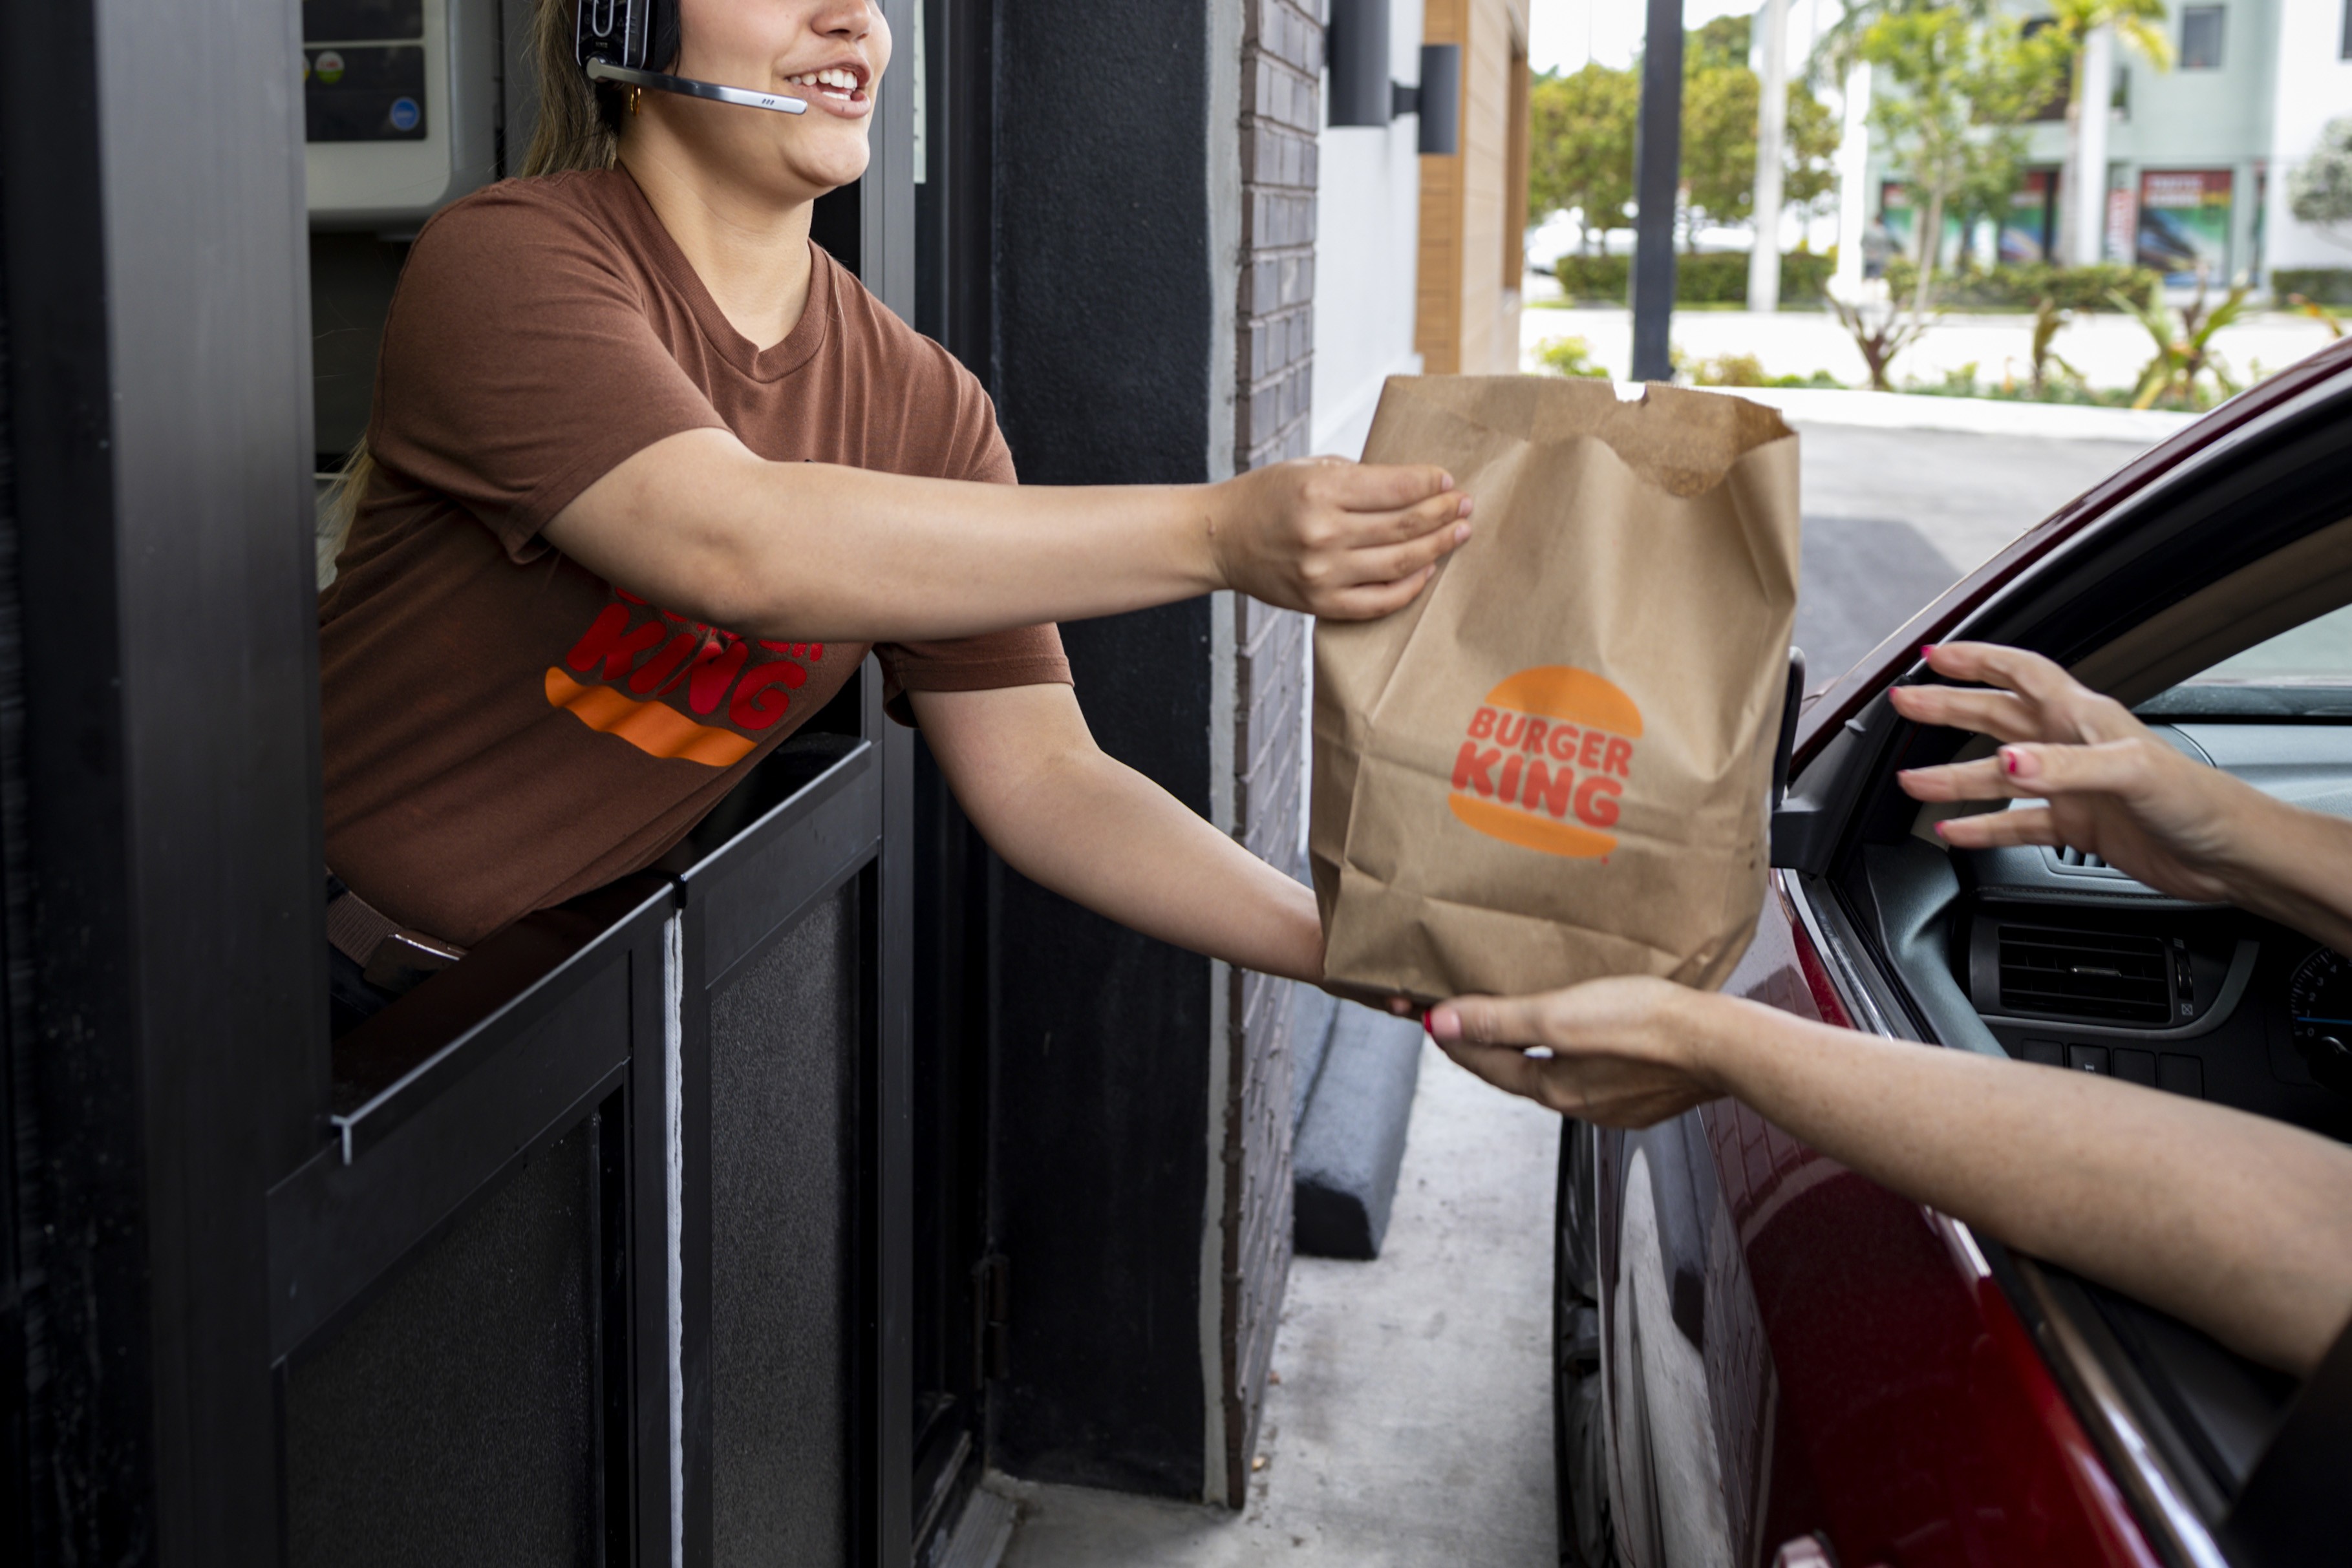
x=1545, y=759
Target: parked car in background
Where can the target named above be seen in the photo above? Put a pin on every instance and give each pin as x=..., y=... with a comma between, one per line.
x=1764, y=1357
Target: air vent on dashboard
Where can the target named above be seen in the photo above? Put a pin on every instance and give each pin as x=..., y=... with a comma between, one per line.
x=2094, y=975
x=2073, y=858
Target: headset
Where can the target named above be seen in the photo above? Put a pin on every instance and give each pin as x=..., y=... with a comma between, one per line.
x=616, y=40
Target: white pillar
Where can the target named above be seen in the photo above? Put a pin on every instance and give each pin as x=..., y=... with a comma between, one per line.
x=1853, y=181
x=1772, y=133
x=2089, y=197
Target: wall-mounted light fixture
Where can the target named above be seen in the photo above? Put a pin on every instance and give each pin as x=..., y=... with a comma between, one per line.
x=1357, y=46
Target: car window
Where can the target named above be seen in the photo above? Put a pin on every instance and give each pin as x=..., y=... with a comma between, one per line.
x=2305, y=672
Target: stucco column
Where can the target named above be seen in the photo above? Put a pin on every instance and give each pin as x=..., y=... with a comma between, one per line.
x=1853, y=180
x=1771, y=134
x=2089, y=197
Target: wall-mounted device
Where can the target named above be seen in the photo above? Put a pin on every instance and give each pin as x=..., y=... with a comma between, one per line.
x=399, y=108
x=621, y=40
x=1357, y=46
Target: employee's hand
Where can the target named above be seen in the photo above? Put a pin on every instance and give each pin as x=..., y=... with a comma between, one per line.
x=1347, y=541
x=2114, y=790
x=1623, y=1052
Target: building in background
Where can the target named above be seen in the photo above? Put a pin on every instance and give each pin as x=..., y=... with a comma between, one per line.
x=1473, y=205
x=2196, y=156
x=1367, y=256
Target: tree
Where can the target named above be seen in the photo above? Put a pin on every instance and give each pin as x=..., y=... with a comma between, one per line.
x=1717, y=44
x=1580, y=147
x=2139, y=23
x=2319, y=191
x=1719, y=115
x=1960, y=87
x=1839, y=48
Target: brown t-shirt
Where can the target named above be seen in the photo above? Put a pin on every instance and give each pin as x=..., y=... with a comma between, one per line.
x=503, y=727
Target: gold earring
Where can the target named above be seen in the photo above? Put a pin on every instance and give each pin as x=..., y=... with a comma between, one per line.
x=636, y=98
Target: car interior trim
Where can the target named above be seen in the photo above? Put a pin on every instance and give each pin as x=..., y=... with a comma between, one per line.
x=2277, y=593
x=1861, y=1001
x=2235, y=986
x=1823, y=791
x=1912, y=888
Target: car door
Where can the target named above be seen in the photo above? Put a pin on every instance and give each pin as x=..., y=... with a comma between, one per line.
x=1763, y=1355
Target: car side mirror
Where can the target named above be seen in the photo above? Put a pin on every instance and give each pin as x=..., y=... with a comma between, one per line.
x=1790, y=703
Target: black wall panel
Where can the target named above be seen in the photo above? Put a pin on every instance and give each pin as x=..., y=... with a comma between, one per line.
x=1103, y=361
x=784, y=1060
x=454, y=1421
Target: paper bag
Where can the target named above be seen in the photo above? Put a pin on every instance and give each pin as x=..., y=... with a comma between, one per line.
x=1553, y=765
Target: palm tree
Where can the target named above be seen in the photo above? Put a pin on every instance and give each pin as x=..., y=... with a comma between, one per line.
x=2140, y=23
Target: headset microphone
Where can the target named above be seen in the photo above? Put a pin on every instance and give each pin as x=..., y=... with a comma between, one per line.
x=617, y=39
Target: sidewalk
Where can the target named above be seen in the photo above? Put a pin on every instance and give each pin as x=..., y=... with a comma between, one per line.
x=2109, y=349
x=1413, y=1424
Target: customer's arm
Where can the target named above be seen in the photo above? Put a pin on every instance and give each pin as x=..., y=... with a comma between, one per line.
x=2112, y=789
x=2239, y=1225
x=1065, y=815
x=817, y=552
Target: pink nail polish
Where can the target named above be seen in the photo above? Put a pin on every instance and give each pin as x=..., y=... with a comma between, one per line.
x=1927, y=649
x=1939, y=830
x=2009, y=760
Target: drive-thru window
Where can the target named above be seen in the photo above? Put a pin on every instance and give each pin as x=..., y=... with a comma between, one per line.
x=737, y=1208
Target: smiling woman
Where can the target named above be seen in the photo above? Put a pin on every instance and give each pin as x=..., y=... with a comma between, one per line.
x=647, y=475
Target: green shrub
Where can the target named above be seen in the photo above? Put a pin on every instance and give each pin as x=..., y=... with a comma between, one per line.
x=1745, y=370
x=2327, y=285
x=1592, y=278
x=2024, y=287
x=1715, y=277
x=1963, y=383
x=1730, y=370
x=1569, y=357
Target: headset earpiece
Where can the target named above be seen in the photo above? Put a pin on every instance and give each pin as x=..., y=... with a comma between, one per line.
x=628, y=42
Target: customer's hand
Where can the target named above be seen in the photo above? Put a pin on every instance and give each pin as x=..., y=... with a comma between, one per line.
x=1347, y=541
x=2113, y=788
x=1623, y=1052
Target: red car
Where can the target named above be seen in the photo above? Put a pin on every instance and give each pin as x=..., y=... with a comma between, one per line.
x=1763, y=1357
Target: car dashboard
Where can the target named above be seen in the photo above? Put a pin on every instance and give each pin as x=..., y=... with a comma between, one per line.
x=2071, y=963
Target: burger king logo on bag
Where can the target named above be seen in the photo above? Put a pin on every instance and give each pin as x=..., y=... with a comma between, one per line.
x=1545, y=759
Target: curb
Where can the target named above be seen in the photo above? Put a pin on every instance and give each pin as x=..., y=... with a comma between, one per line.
x=1349, y=1145
x=1968, y=416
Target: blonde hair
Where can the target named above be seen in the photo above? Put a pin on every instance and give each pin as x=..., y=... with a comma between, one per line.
x=577, y=128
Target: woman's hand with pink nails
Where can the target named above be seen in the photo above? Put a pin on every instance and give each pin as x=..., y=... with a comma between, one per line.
x=1623, y=1052
x=2110, y=785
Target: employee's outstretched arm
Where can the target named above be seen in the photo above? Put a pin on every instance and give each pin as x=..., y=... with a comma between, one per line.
x=813, y=551
x=1063, y=814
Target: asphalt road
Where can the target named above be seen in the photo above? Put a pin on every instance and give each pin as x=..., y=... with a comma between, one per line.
x=1894, y=518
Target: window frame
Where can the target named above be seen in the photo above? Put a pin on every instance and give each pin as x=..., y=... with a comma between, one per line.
x=2219, y=13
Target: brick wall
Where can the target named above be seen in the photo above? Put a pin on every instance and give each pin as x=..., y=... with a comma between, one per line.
x=1474, y=204
x=1282, y=61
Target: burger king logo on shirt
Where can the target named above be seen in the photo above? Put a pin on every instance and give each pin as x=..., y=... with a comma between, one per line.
x=1544, y=761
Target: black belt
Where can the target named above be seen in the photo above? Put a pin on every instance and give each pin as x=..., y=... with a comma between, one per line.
x=392, y=956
